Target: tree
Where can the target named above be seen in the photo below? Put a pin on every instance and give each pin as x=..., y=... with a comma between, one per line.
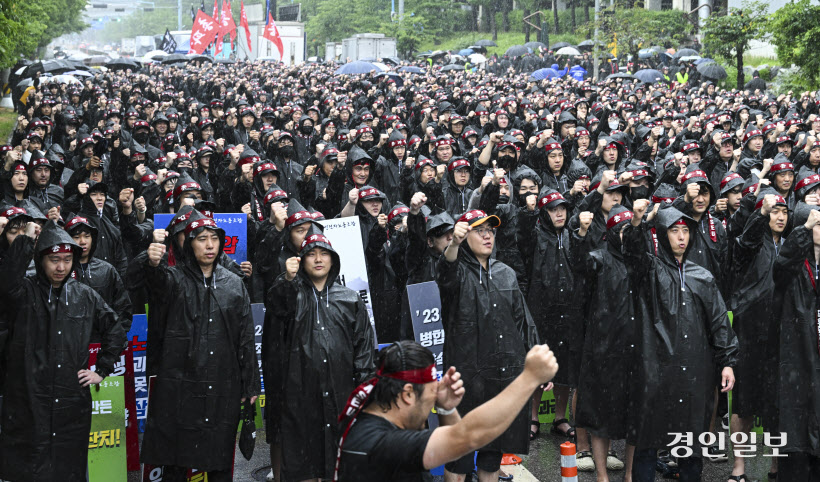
x=656, y=28
x=795, y=29
x=728, y=36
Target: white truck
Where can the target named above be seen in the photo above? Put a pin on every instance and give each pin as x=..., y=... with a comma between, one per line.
x=144, y=44
x=368, y=46
x=128, y=46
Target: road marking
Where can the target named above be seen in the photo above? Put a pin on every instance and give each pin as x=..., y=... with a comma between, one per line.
x=520, y=473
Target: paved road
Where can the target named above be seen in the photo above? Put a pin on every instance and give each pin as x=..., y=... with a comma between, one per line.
x=542, y=464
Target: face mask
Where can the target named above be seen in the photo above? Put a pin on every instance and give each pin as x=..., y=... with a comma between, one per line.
x=184, y=170
x=366, y=145
x=287, y=151
x=505, y=162
x=613, y=125
x=141, y=137
x=503, y=199
x=306, y=130
x=640, y=192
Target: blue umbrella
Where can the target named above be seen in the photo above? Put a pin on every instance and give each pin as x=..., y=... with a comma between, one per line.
x=649, y=76
x=465, y=52
x=546, y=73
x=357, y=67
x=412, y=69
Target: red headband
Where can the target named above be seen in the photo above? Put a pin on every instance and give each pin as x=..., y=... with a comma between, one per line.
x=731, y=177
x=458, y=164
x=297, y=216
x=188, y=186
x=783, y=166
x=679, y=222
x=75, y=221
x=548, y=199
x=315, y=238
x=616, y=219
x=148, y=177
x=750, y=189
x=59, y=249
x=207, y=222
x=807, y=181
x=12, y=211
x=274, y=194
x=264, y=167
x=397, y=143
x=397, y=212
x=658, y=199
x=19, y=167
x=368, y=192
x=778, y=200
x=696, y=173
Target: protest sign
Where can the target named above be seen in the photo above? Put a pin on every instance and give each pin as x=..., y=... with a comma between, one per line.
x=258, y=313
x=425, y=311
x=107, y=458
x=235, y=226
x=138, y=340
x=346, y=237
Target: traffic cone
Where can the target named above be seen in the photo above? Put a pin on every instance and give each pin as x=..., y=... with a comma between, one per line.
x=569, y=467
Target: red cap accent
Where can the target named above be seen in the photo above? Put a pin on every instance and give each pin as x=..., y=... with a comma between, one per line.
x=13, y=211
x=679, y=222
x=696, y=173
x=616, y=219
x=639, y=172
x=19, y=167
x=248, y=160
x=783, y=166
x=148, y=177
x=200, y=223
x=458, y=164
x=275, y=194
x=423, y=163
x=399, y=142
x=444, y=142
x=778, y=200
x=181, y=219
x=368, y=192
x=552, y=146
x=657, y=199
x=75, y=221
x=750, y=189
x=264, y=167
x=188, y=186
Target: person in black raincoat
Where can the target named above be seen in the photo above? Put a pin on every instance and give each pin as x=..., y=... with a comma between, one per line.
x=208, y=366
x=328, y=352
x=755, y=321
x=488, y=330
x=680, y=313
x=40, y=190
x=110, y=247
x=608, y=351
x=97, y=273
x=458, y=189
x=46, y=414
x=798, y=396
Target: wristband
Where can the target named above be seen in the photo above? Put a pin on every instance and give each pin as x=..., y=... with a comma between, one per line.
x=442, y=412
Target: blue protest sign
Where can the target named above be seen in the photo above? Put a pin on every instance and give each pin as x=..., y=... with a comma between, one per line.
x=138, y=339
x=235, y=226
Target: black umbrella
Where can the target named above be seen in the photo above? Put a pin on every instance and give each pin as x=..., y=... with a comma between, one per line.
x=57, y=66
x=198, y=58
x=391, y=75
x=77, y=64
x=649, y=76
x=122, y=63
x=559, y=45
x=452, y=67
x=225, y=61
x=588, y=45
x=755, y=84
x=712, y=71
x=486, y=43
x=685, y=53
x=516, y=50
x=619, y=76
x=392, y=60
x=535, y=46
x=477, y=48
x=174, y=59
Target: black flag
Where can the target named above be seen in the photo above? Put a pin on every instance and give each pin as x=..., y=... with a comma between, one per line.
x=169, y=45
x=202, y=5
x=193, y=13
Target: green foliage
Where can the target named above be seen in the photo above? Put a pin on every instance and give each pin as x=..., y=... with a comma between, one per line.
x=795, y=29
x=728, y=36
x=26, y=25
x=635, y=28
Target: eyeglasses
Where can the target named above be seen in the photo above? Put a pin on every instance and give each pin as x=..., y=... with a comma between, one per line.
x=484, y=231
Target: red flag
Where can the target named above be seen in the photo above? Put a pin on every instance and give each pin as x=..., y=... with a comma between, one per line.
x=216, y=9
x=243, y=21
x=228, y=25
x=219, y=33
x=203, y=32
x=272, y=34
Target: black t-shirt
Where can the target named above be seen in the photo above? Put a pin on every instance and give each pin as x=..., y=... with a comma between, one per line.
x=377, y=450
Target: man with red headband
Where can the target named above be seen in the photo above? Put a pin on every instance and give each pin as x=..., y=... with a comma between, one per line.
x=385, y=438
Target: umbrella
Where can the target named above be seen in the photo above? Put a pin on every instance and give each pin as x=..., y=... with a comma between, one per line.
x=542, y=74
x=225, y=61
x=703, y=61
x=154, y=55
x=755, y=84
x=452, y=67
x=65, y=79
x=455, y=59
x=477, y=58
x=78, y=65
x=535, y=46
x=426, y=53
x=689, y=58
x=412, y=69
x=656, y=48
x=712, y=71
x=80, y=73
x=684, y=53
x=357, y=67
x=619, y=75
x=438, y=53
x=516, y=50
x=391, y=75
x=392, y=60
x=381, y=66
x=174, y=59
x=96, y=60
x=486, y=43
x=477, y=48
x=198, y=58
x=646, y=53
x=560, y=45
x=23, y=84
x=465, y=52
x=568, y=51
x=649, y=76
x=588, y=45
x=122, y=64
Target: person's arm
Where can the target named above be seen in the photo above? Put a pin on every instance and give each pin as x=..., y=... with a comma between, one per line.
x=352, y=200
x=17, y=259
x=722, y=337
x=458, y=437
x=796, y=250
x=635, y=252
x=363, y=343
